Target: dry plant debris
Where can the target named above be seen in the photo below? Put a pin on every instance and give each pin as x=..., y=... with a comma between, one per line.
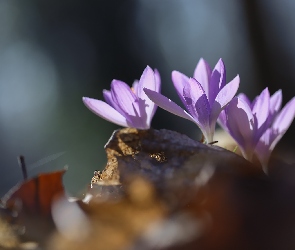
x=163, y=190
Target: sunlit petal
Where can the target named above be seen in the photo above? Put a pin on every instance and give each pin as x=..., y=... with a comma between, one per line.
x=179, y=80
x=285, y=117
x=217, y=81
x=109, y=100
x=243, y=97
x=241, y=125
x=197, y=103
x=262, y=149
x=124, y=96
x=149, y=81
x=202, y=74
x=260, y=109
x=167, y=104
x=105, y=111
x=275, y=102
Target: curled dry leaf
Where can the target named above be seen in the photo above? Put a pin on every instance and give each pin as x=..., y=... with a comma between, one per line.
x=30, y=202
x=37, y=194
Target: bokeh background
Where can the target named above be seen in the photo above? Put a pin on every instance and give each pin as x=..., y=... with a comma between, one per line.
x=54, y=52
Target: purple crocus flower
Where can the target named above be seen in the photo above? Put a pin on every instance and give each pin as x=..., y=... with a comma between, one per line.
x=125, y=106
x=257, y=126
x=246, y=121
x=275, y=103
x=204, y=96
x=279, y=123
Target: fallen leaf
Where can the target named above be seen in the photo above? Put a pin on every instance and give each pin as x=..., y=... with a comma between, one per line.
x=37, y=194
x=30, y=204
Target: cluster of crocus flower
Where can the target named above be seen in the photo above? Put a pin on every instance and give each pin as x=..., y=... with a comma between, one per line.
x=256, y=126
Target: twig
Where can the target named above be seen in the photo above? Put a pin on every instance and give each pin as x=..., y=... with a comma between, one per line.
x=22, y=164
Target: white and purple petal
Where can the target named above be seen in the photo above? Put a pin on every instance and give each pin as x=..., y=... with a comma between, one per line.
x=124, y=97
x=135, y=86
x=260, y=109
x=147, y=80
x=158, y=89
x=202, y=74
x=225, y=95
x=196, y=102
x=272, y=135
x=241, y=125
x=217, y=81
x=285, y=117
x=197, y=105
x=167, y=104
x=275, y=103
x=245, y=99
x=158, y=80
x=109, y=100
x=262, y=149
x=179, y=81
x=105, y=111
x=222, y=120
x=128, y=102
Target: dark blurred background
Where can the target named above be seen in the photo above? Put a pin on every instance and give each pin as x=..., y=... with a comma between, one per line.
x=54, y=52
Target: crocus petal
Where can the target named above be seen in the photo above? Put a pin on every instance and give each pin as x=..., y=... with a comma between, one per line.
x=202, y=74
x=272, y=136
x=260, y=110
x=241, y=125
x=196, y=101
x=284, y=119
x=221, y=69
x=149, y=81
x=275, y=104
x=198, y=106
x=105, y=111
x=167, y=104
x=135, y=86
x=158, y=89
x=262, y=149
x=222, y=120
x=217, y=81
x=225, y=95
x=158, y=80
x=243, y=97
x=109, y=99
x=179, y=80
x=133, y=107
x=124, y=97
x=266, y=144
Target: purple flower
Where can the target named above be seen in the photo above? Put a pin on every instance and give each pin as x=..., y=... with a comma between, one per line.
x=257, y=126
x=204, y=96
x=279, y=123
x=246, y=121
x=128, y=107
x=275, y=103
